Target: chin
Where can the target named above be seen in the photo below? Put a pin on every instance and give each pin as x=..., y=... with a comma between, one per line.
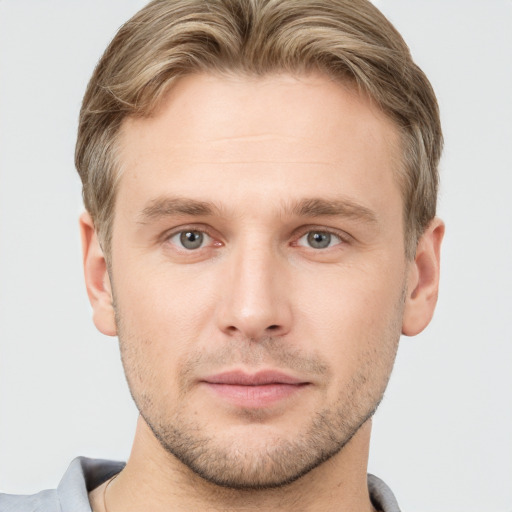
x=260, y=458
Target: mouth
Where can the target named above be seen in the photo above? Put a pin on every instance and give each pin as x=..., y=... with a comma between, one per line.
x=254, y=390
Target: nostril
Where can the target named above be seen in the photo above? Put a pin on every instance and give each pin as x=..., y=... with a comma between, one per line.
x=272, y=327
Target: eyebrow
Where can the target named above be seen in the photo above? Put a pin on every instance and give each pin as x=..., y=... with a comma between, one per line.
x=171, y=206
x=313, y=207
x=334, y=208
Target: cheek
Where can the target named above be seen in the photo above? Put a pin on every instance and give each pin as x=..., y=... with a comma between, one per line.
x=354, y=316
x=163, y=300
x=161, y=316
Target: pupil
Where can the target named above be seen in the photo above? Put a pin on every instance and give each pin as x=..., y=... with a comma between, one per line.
x=191, y=239
x=319, y=240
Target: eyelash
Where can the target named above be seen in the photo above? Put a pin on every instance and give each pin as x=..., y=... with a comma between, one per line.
x=342, y=239
x=337, y=236
x=180, y=232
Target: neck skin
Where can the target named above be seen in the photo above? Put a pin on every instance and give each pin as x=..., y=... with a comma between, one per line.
x=155, y=480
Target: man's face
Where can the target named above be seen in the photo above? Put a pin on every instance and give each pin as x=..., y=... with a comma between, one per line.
x=258, y=271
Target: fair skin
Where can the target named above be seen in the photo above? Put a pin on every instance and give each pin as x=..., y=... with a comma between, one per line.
x=260, y=286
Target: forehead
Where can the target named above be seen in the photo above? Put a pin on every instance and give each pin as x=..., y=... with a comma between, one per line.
x=214, y=135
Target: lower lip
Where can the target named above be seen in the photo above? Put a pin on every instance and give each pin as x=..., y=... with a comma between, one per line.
x=255, y=396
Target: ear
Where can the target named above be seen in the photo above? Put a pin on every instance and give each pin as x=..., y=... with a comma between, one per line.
x=423, y=280
x=97, y=280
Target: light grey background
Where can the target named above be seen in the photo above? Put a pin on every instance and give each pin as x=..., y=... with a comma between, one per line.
x=442, y=437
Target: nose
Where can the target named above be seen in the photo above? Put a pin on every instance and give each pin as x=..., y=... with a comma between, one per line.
x=255, y=301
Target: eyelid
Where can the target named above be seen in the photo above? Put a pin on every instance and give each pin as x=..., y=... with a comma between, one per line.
x=344, y=237
x=167, y=235
x=175, y=240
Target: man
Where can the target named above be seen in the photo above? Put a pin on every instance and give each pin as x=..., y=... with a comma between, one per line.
x=260, y=181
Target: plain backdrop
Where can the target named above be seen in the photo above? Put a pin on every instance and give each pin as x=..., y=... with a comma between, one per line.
x=443, y=435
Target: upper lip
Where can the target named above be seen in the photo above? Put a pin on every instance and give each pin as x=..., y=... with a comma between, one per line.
x=259, y=378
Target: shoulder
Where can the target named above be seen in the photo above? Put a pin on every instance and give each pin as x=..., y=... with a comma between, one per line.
x=44, y=501
x=381, y=495
x=71, y=495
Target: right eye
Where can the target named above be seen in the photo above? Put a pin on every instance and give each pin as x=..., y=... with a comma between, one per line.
x=190, y=239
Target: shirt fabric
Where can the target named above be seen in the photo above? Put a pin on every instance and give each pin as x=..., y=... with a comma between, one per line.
x=84, y=475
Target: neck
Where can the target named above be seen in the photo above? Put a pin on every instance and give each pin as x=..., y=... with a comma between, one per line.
x=155, y=480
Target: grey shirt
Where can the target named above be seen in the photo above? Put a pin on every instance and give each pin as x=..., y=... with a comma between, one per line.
x=84, y=475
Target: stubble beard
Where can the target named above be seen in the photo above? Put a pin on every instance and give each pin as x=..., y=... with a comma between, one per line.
x=279, y=460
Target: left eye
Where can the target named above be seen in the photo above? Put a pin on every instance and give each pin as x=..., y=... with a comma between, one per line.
x=319, y=240
x=190, y=239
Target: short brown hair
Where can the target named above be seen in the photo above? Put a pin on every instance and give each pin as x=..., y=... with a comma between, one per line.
x=349, y=40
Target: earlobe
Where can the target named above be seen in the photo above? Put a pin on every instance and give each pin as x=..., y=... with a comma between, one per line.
x=97, y=280
x=423, y=280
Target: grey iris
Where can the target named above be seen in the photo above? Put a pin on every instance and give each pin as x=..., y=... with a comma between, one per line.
x=191, y=239
x=319, y=240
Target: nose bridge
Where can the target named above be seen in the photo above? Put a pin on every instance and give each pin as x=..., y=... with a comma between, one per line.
x=254, y=302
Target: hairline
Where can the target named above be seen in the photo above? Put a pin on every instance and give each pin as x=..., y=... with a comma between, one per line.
x=398, y=142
